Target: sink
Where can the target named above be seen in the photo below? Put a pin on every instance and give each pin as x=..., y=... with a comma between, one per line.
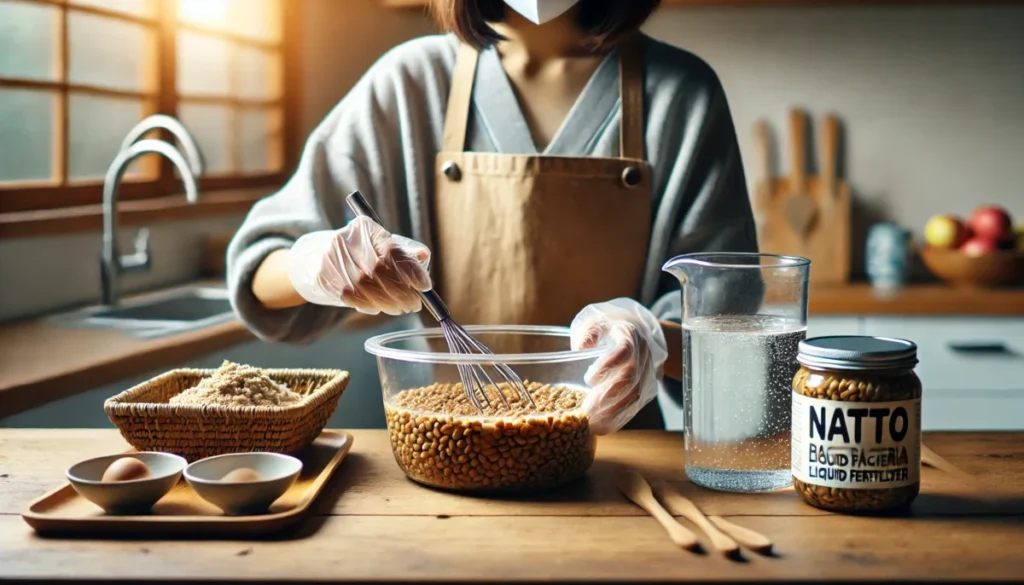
x=188, y=308
x=152, y=315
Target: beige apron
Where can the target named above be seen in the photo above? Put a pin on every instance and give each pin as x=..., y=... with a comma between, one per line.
x=531, y=240
x=527, y=239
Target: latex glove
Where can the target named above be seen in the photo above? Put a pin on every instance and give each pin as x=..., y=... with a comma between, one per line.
x=625, y=379
x=360, y=266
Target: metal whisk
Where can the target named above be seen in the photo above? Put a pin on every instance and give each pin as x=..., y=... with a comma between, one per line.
x=475, y=378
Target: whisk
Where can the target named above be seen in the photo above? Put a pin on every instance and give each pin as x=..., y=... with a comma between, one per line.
x=475, y=378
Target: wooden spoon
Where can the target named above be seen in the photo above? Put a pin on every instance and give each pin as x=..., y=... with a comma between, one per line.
x=683, y=506
x=635, y=487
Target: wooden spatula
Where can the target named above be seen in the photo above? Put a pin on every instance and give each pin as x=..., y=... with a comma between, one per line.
x=829, y=167
x=799, y=208
x=985, y=491
x=635, y=487
x=764, y=177
x=933, y=459
x=683, y=506
x=755, y=541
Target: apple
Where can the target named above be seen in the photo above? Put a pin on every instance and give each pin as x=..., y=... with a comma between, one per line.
x=991, y=222
x=945, y=231
x=979, y=246
x=1019, y=232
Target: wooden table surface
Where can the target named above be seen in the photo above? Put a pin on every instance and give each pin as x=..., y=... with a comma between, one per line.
x=371, y=523
x=918, y=300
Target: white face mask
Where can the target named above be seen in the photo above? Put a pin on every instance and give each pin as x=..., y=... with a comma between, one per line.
x=540, y=11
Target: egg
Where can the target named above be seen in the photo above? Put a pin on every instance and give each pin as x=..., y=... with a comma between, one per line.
x=126, y=469
x=241, y=474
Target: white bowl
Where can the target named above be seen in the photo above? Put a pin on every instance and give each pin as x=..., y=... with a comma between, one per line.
x=131, y=496
x=277, y=473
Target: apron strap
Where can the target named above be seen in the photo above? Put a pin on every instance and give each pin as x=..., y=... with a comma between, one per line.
x=631, y=89
x=459, y=99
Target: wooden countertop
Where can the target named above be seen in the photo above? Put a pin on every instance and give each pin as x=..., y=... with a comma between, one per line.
x=922, y=300
x=40, y=363
x=372, y=524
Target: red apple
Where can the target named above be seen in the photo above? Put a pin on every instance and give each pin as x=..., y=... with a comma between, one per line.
x=991, y=222
x=945, y=231
x=979, y=246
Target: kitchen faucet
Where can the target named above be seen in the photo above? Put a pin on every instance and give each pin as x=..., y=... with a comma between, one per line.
x=112, y=263
x=172, y=125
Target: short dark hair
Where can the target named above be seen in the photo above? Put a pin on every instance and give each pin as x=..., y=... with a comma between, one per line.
x=607, y=22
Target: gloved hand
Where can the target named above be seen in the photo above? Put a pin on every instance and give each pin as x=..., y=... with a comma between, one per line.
x=360, y=266
x=625, y=379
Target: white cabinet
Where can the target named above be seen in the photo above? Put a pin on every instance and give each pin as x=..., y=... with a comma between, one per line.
x=972, y=410
x=972, y=369
x=961, y=353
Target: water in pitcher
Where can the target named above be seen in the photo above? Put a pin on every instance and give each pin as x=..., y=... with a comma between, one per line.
x=737, y=398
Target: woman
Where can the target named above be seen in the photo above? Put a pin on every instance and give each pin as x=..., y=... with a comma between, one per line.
x=548, y=154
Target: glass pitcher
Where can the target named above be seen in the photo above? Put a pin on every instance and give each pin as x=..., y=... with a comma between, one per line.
x=743, y=315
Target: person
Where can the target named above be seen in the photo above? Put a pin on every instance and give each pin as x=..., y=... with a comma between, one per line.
x=543, y=158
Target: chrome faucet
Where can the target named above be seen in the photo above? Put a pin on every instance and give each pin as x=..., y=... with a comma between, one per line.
x=177, y=129
x=112, y=263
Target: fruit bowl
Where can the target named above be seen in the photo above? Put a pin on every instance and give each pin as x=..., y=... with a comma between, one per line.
x=992, y=269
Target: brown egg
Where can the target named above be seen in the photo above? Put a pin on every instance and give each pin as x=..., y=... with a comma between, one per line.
x=126, y=469
x=241, y=474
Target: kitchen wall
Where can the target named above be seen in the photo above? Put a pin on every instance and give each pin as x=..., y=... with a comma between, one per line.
x=932, y=96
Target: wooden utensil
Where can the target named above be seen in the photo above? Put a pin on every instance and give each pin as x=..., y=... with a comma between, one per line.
x=933, y=459
x=635, y=487
x=986, y=493
x=800, y=208
x=755, y=541
x=798, y=215
x=763, y=176
x=829, y=166
x=680, y=504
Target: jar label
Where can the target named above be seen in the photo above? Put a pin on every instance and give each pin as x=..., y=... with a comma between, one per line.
x=856, y=445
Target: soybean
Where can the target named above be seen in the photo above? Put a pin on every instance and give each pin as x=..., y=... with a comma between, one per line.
x=439, y=438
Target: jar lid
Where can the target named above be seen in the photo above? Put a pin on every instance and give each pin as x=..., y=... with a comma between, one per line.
x=858, y=352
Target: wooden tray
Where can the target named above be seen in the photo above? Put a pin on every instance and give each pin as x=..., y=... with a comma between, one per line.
x=183, y=512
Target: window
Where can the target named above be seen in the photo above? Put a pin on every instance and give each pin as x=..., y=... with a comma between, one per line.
x=76, y=75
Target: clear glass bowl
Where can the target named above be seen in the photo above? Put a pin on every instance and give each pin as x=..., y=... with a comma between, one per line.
x=439, y=439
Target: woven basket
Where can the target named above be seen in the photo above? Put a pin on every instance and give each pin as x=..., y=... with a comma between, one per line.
x=148, y=423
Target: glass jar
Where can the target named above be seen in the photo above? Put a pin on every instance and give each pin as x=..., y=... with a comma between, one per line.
x=857, y=423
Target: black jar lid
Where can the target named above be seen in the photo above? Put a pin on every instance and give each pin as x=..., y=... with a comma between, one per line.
x=857, y=352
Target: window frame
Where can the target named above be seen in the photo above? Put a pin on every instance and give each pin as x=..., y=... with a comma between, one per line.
x=60, y=192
